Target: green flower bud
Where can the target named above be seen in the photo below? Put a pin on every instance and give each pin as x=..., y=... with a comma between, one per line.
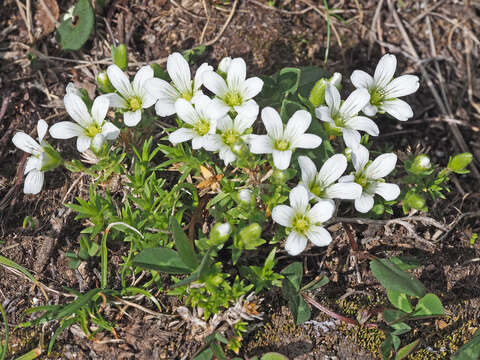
x=245, y=196
x=104, y=83
x=52, y=158
x=220, y=233
x=420, y=164
x=414, y=201
x=378, y=209
x=317, y=94
x=120, y=56
x=459, y=162
x=278, y=177
x=249, y=236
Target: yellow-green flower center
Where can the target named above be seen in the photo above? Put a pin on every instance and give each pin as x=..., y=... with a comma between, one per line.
x=233, y=98
x=301, y=224
x=338, y=120
x=188, y=95
x=135, y=103
x=93, y=129
x=316, y=189
x=230, y=137
x=362, y=180
x=202, y=127
x=377, y=96
x=281, y=145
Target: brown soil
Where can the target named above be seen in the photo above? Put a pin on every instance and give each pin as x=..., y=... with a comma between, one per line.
x=292, y=33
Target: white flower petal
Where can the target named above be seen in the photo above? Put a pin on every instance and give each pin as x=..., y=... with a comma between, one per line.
x=65, y=130
x=77, y=109
x=83, y=143
x=198, y=81
x=227, y=155
x=346, y=179
x=295, y=243
x=319, y=236
x=363, y=123
x=186, y=112
x=100, y=109
x=298, y=124
x=33, y=163
x=148, y=100
x=308, y=169
x=215, y=83
x=198, y=142
x=213, y=143
x=140, y=80
x=179, y=71
x=119, y=81
x=360, y=156
x=181, y=135
x=306, y=141
x=360, y=79
x=33, y=182
x=321, y=211
x=225, y=123
x=344, y=191
x=251, y=87
x=273, y=123
x=110, y=131
x=364, y=204
x=332, y=97
x=236, y=74
x=332, y=169
x=386, y=190
x=299, y=199
x=399, y=109
x=283, y=214
x=165, y=107
x=132, y=118
x=26, y=143
x=323, y=113
x=42, y=128
x=370, y=110
x=381, y=166
x=385, y=70
x=224, y=64
x=243, y=122
x=402, y=86
x=260, y=144
x=115, y=100
x=209, y=109
x=351, y=138
x=281, y=159
x=166, y=95
x=248, y=108
x=355, y=102
x=336, y=79
x=98, y=141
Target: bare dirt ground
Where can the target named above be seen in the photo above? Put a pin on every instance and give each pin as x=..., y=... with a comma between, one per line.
x=434, y=39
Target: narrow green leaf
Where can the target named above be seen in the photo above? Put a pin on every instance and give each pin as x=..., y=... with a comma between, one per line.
x=399, y=300
x=7, y=262
x=406, y=350
x=393, y=278
x=288, y=80
x=163, y=260
x=184, y=247
x=204, y=265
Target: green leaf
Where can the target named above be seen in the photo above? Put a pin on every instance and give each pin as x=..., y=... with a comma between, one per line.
x=400, y=328
x=293, y=273
x=316, y=283
x=273, y=356
x=469, y=351
x=406, y=350
x=399, y=300
x=459, y=162
x=7, y=262
x=393, y=278
x=300, y=309
x=309, y=75
x=73, y=36
x=163, y=260
x=289, y=108
x=198, y=273
x=288, y=80
x=406, y=262
x=184, y=247
x=205, y=354
x=429, y=305
x=390, y=316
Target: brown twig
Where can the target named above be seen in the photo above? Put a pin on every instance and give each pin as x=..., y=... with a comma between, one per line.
x=283, y=11
x=467, y=215
x=224, y=27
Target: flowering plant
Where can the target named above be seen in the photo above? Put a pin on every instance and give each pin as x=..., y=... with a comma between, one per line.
x=231, y=181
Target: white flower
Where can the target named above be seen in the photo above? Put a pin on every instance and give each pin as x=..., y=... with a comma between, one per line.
x=72, y=89
x=322, y=185
x=35, y=164
x=280, y=141
x=245, y=196
x=224, y=65
x=385, y=90
x=303, y=222
x=236, y=92
x=370, y=176
x=182, y=86
x=336, y=79
x=91, y=129
x=201, y=121
x=343, y=116
x=133, y=96
x=232, y=132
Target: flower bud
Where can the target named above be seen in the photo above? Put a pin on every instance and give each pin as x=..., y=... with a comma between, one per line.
x=378, y=209
x=249, y=236
x=224, y=65
x=420, y=164
x=245, y=196
x=278, y=177
x=220, y=233
x=414, y=201
x=104, y=83
x=336, y=80
x=317, y=94
x=459, y=162
x=120, y=56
